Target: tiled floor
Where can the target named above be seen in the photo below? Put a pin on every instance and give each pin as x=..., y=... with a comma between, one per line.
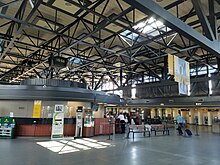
x=159, y=150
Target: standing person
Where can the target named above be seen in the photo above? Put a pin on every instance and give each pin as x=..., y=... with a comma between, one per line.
x=126, y=118
x=180, y=123
x=121, y=117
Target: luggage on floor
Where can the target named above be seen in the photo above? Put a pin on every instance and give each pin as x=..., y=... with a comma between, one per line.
x=179, y=130
x=188, y=132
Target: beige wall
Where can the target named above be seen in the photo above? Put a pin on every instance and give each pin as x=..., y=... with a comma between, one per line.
x=168, y=112
x=19, y=108
x=73, y=106
x=25, y=108
x=100, y=112
x=47, y=108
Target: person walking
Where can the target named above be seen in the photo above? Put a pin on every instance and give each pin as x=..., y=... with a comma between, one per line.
x=121, y=117
x=180, y=124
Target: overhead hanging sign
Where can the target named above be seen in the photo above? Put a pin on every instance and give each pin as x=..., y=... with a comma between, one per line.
x=182, y=75
x=181, y=71
x=170, y=64
x=58, y=61
x=176, y=69
x=58, y=122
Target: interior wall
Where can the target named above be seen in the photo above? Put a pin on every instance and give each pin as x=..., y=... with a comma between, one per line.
x=19, y=108
x=25, y=108
x=47, y=108
x=73, y=106
x=100, y=112
x=214, y=114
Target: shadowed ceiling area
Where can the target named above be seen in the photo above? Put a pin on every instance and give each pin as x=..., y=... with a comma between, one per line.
x=98, y=41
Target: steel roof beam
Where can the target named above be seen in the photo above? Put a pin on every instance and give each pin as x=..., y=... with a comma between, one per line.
x=62, y=31
x=218, y=1
x=203, y=19
x=150, y=7
x=212, y=18
x=99, y=82
x=50, y=2
x=176, y=3
x=36, y=5
x=151, y=71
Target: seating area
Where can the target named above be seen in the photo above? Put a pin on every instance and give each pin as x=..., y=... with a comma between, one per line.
x=159, y=128
x=138, y=129
x=148, y=129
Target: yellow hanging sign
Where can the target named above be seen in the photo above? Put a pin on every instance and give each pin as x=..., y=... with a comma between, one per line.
x=37, y=109
x=170, y=64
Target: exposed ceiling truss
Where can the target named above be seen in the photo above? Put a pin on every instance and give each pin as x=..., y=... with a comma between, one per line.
x=105, y=40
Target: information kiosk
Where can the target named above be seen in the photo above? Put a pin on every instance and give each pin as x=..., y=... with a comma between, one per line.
x=58, y=122
x=79, y=121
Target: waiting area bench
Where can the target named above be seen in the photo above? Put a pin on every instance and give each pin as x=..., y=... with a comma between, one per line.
x=159, y=128
x=138, y=129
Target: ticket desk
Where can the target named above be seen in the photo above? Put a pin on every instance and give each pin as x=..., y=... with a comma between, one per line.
x=42, y=127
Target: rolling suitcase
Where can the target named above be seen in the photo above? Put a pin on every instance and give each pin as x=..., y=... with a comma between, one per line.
x=179, y=130
x=188, y=132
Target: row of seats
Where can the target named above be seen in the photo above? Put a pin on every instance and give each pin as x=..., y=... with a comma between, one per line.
x=148, y=129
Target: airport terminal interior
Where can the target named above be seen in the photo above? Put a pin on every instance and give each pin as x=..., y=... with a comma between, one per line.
x=109, y=82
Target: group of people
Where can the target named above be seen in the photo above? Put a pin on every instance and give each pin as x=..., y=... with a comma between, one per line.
x=124, y=118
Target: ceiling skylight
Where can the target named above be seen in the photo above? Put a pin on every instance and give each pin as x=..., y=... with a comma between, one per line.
x=149, y=25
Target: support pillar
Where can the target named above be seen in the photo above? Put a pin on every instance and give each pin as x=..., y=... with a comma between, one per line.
x=160, y=113
x=181, y=113
x=168, y=111
x=209, y=118
x=152, y=113
x=191, y=116
x=200, y=119
x=175, y=113
x=219, y=114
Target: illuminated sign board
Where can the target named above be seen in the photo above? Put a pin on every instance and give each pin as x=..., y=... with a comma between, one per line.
x=58, y=61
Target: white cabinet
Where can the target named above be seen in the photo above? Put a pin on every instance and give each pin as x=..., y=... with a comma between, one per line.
x=6, y=132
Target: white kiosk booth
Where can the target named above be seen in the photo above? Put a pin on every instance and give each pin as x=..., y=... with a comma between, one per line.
x=79, y=122
x=58, y=122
